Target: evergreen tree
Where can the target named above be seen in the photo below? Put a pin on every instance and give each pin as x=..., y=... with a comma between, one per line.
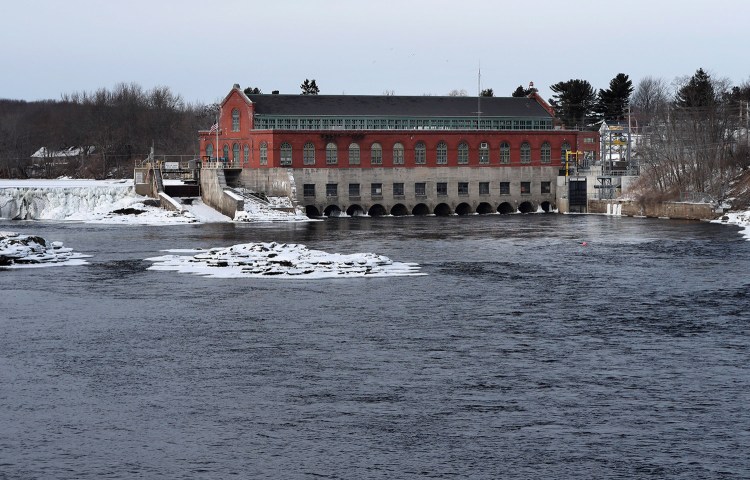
x=612, y=104
x=698, y=92
x=523, y=92
x=487, y=92
x=519, y=92
x=574, y=102
x=309, y=87
x=251, y=91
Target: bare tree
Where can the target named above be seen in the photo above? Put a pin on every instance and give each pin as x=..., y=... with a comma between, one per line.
x=691, y=145
x=651, y=96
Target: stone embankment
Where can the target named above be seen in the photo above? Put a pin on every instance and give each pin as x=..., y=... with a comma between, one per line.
x=676, y=210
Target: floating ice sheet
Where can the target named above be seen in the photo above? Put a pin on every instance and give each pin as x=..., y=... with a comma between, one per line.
x=24, y=251
x=281, y=260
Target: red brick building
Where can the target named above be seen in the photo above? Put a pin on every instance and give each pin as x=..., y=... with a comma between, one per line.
x=494, y=149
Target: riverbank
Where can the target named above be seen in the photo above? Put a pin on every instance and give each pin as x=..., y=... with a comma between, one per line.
x=110, y=201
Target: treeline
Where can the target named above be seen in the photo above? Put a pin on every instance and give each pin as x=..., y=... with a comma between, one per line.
x=691, y=135
x=694, y=136
x=121, y=125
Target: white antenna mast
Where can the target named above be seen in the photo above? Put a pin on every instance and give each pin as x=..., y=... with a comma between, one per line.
x=479, y=92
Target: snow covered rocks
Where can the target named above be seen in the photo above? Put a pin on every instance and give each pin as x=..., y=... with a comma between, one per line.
x=281, y=260
x=29, y=250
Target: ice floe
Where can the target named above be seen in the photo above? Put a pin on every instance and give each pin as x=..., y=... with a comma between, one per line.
x=280, y=260
x=17, y=251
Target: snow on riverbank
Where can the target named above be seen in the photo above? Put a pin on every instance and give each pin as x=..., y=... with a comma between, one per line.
x=280, y=261
x=112, y=202
x=17, y=251
x=741, y=219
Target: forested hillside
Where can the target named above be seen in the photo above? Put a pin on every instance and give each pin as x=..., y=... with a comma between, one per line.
x=114, y=127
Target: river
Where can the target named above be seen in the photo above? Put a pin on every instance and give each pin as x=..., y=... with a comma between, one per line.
x=523, y=353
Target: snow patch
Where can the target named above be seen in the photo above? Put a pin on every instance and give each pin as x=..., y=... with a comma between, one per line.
x=741, y=219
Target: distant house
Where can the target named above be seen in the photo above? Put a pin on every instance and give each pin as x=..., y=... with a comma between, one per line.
x=46, y=157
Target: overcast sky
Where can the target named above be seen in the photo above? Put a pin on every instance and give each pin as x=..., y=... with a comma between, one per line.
x=199, y=49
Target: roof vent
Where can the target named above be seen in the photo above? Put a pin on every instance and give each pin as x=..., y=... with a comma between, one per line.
x=236, y=85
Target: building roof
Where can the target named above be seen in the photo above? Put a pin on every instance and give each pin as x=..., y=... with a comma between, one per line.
x=395, y=106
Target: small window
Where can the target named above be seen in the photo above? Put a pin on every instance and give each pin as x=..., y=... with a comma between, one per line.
x=353, y=154
x=376, y=189
x=331, y=154
x=308, y=154
x=263, y=153
x=332, y=190
x=308, y=190
x=420, y=189
x=504, y=152
x=376, y=154
x=525, y=188
x=546, y=153
x=420, y=153
x=484, y=153
x=588, y=140
x=209, y=150
x=354, y=189
x=225, y=153
x=484, y=188
x=463, y=153
x=236, y=152
x=525, y=152
x=398, y=189
x=504, y=188
x=463, y=188
x=286, y=156
x=235, y=120
x=246, y=153
x=563, y=150
x=546, y=187
x=398, y=154
x=442, y=188
x=442, y=153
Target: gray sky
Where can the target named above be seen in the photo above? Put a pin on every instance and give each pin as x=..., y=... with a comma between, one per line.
x=413, y=47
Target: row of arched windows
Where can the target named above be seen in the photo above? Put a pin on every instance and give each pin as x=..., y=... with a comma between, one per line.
x=420, y=153
x=398, y=153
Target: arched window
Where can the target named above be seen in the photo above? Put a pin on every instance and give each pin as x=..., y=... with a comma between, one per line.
x=332, y=156
x=463, y=153
x=442, y=153
x=245, y=153
x=286, y=154
x=504, y=152
x=263, y=153
x=420, y=153
x=308, y=154
x=525, y=152
x=484, y=153
x=376, y=154
x=236, y=152
x=563, y=150
x=353, y=154
x=398, y=154
x=225, y=153
x=546, y=152
x=235, y=120
x=209, y=151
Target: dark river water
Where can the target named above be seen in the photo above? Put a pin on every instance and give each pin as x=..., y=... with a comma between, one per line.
x=521, y=354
